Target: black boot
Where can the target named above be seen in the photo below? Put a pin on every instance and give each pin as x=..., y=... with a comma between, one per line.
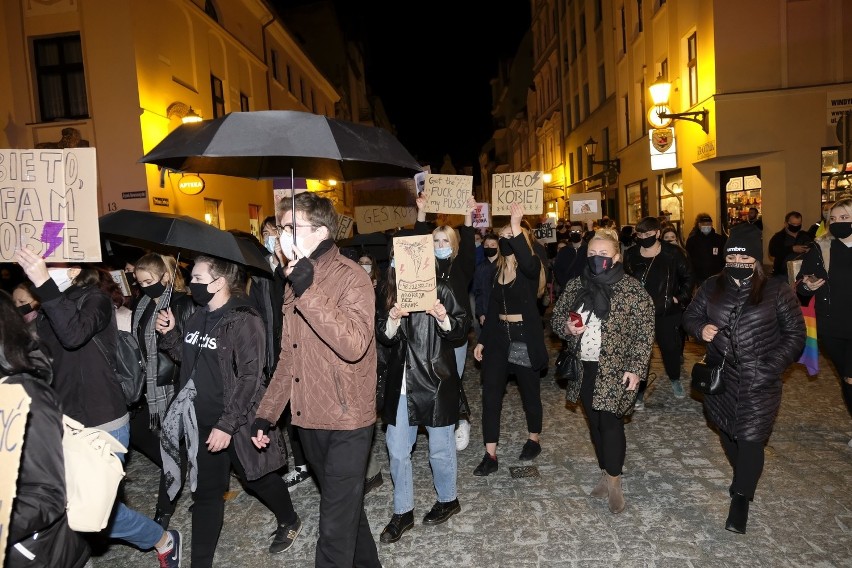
x=738, y=514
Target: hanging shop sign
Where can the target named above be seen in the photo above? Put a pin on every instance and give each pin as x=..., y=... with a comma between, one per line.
x=191, y=184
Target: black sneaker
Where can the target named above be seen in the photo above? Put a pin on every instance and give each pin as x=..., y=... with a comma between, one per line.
x=372, y=482
x=530, y=451
x=284, y=536
x=397, y=526
x=487, y=466
x=162, y=518
x=295, y=477
x=441, y=512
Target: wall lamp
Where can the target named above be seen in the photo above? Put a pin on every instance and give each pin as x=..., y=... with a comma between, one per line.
x=591, y=148
x=660, y=90
x=182, y=111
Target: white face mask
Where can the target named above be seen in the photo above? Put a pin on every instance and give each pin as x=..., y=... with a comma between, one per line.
x=287, y=245
x=705, y=230
x=367, y=267
x=60, y=277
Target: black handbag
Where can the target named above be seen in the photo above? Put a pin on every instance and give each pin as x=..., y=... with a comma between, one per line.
x=708, y=378
x=518, y=352
x=567, y=366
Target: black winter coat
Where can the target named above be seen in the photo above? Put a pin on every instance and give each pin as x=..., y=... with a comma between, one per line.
x=829, y=259
x=673, y=276
x=427, y=353
x=766, y=339
x=706, y=253
x=83, y=379
x=168, y=370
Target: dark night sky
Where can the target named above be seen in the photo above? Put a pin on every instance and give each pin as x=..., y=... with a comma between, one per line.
x=430, y=62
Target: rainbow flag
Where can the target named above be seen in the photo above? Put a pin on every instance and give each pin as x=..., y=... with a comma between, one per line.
x=810, y=356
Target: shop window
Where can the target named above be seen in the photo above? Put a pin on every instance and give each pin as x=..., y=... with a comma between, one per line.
x=637, y=201
x=670, y=192
x=742, y=190
x=60, y=78
x=211, y=212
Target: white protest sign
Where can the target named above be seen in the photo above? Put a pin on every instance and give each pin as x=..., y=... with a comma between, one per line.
x=447, y=193
x=344, y=227
x=481, y=218
x=378, y=218
x=49, y=204
x=14, y=408
x=545, y=233
x=414, y=261
x=526, y=188
x=585, y=206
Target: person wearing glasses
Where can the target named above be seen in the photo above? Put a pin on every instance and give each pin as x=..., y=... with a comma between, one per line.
x=327, y=372
x=606, y=318
x=665, y=273
x=754, y=325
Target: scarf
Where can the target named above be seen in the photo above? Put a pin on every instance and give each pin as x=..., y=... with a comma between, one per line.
x=596, y=290
x=158, y=397
x=180, y=424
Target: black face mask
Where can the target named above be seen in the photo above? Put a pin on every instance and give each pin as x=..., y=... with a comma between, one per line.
x=153, y=291
x=25, y=309
x=647, y=242
x=505, y=247
x=490, y=252
x=739, y=270
x=575, y=237
x=794, y=228
x=200, y=294
x=599, y=264
x=840, y=229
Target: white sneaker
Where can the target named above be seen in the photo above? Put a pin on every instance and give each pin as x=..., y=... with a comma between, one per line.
x=462, y=434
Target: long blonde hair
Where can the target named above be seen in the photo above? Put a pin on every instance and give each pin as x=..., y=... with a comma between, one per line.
x=452, y=236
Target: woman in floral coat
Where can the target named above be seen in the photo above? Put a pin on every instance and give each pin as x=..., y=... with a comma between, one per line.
x=613, y=342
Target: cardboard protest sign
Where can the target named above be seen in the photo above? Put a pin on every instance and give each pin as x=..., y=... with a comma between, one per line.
x=447, y=193
x=545, y=233
x=585, y=206
x=49, y=204
x=377, y=218
x=120, y=278
x=344, y=227
x=14, y=408
x=481, y=218
x=414, y=261
x=526, y=188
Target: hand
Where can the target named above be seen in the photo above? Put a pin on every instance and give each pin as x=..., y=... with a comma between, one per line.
x=217, y=441
x=439, y=312
x=674, y=299
x=517, y=212
x=572, y=329
x=297, y=254
x=471, y=207
x=813, y=283
x=262, y=427
x=396, y=312
x=481, y=320
x=165, y=321
x=301, y=275
x=800, y=249
x=33, y=265
x=708, y=332
x=631, y=379
x=421, y=207
x=477, y=351
x=279, y=254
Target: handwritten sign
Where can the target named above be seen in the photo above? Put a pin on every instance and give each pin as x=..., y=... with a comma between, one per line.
x=14, y=407
x=526, y=188
x=447, y=193
x=344, y=227
x=377, y=218
x=414, y=260
x=545, y=233
x=49, y=204
x=481, y=219
x=585, y=206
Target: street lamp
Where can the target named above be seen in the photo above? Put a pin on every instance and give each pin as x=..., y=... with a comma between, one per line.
x=660, y=90
x=591, y=148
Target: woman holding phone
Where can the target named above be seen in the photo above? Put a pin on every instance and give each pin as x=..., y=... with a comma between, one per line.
x=607, y=320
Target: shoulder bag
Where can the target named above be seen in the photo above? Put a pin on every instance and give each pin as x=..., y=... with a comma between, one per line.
x=518, y=352
x=709, y=379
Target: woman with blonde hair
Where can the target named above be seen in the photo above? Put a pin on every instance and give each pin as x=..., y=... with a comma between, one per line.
x=826, y=273
x=607, y=320
x=512, y=341
x=154, y=276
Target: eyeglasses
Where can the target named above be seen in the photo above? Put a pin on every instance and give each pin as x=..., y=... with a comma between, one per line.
x=288, y=228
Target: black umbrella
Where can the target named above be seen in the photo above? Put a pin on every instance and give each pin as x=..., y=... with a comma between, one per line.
x=179, y=233
x=279, y=143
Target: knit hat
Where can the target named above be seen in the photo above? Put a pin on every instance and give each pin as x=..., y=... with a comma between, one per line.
x=746, y=239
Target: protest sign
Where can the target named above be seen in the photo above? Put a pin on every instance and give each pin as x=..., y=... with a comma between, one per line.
x=49, y=204
x=414, y=260
x=526, y=188
x=377, y=218
x=481, y=218
x=545, y=233
x=447, y=193
x=585, y=206
x=344, y=227
x=120, y=278
x=14, y=407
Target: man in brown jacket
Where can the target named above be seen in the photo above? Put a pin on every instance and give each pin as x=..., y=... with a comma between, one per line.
x=327, y=371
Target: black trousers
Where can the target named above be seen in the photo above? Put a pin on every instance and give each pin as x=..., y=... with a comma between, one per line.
x=208, y=512
x=839, y=352
x=669, y=336
x=293, y=436
x=606, y=428
x=338, y=460
x=747, y=460
x=495, y=374
x=147, y=442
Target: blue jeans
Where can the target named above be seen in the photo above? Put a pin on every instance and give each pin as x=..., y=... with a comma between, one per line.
x=400, y=439
x=129, y=525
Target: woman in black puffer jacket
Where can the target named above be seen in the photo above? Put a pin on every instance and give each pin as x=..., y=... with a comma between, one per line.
x=755, y=324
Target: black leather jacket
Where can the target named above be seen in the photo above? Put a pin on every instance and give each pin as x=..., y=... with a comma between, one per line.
x=168, y=371
x=676, y=281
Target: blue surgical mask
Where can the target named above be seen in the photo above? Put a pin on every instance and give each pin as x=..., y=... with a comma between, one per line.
x=269, y=243
x=444, y=252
